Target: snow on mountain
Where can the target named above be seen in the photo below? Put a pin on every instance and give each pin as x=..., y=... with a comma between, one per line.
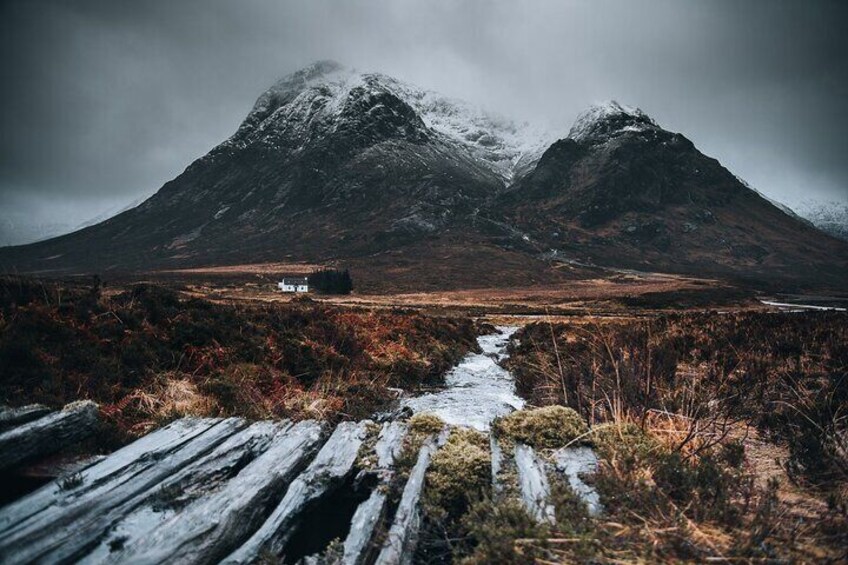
x=313, y=101
x=829, y=217
x=779, y=205
x=603, y=120
x=509, y=148
x=335, y=165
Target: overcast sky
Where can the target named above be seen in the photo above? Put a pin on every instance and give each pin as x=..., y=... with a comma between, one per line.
x=104, y=101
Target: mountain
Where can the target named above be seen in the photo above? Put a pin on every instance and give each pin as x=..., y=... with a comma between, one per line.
x=620, y=190
x=829, y=217
x=403, y=183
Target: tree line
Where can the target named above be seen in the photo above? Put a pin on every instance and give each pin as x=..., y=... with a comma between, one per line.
x=331, y=281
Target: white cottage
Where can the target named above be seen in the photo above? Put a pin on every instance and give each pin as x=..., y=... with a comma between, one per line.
x=296, y=284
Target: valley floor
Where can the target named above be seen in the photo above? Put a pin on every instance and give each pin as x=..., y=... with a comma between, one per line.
x=718, y=420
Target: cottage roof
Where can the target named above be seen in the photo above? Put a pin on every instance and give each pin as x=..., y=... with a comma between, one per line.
x=294, y=281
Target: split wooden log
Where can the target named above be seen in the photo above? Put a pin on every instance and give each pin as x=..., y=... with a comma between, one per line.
x=13, y=417
x=497, y=465
x=403, y=534
x=62, y=490
x=574, y=462
x=331, y=467
x=44, y=531
x=358, y=544
x=132, y=520
x=47, y=434
x=153, y=445
x=212, y=526
x=533, y=482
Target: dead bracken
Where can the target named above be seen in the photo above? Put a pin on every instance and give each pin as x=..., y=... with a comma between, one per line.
x=149, y=354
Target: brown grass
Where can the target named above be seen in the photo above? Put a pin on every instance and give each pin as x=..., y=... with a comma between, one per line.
x=703, y=405
x=150, y=354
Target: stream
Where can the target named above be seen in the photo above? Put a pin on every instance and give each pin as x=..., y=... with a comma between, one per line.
x=478, y=390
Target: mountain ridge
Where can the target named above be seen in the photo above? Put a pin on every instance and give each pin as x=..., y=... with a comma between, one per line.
x=335, y=165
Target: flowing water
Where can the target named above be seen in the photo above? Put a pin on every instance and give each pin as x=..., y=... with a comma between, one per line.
x=477, y=390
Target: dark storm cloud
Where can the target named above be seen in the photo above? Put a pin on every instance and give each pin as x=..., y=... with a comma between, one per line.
x=104, y=101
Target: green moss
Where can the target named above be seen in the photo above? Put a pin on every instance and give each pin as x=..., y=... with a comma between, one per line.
x=548, y=427
x=459, y=473
x=421, y=427
x=366, y=458
x=616, y=440
x=425, y=423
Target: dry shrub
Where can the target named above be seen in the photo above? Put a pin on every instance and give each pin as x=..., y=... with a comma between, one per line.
x=670, y=401
x=60, y=343
x=168, y=399
x=459, y=475
x=785, y=373
x=496, y=529
x=421, y=428
x=425, y=423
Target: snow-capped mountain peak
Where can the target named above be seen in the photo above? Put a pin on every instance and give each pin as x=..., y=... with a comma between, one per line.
x=601, y=121
x=507, y=147
x=315, y=101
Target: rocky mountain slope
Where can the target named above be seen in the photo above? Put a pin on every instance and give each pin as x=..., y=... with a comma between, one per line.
x=620, y=190
x=336, y=165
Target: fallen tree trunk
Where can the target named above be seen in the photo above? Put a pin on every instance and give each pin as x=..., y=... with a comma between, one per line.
x=497, y=465
x=403, y=534
x=212, y=526
x=12, y=417
x=153, y=445
x=574, y=462
x=54, y=493
x=533, y=482
x=47, y=434
x=132, y=520
x=358, y=544
x=329, y=469
x=54, y=526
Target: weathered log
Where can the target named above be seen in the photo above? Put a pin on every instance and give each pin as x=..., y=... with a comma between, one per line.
x=331, y=466
x=357, y=545
x=154, y=445
x=403, y=534
x=533, y=482
x=47, y=434
x=497, y=464
x=52, y=467
x=211, y=526
x=574, y=462
x=13, y=417
x=45, y=531
x=124, y=523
